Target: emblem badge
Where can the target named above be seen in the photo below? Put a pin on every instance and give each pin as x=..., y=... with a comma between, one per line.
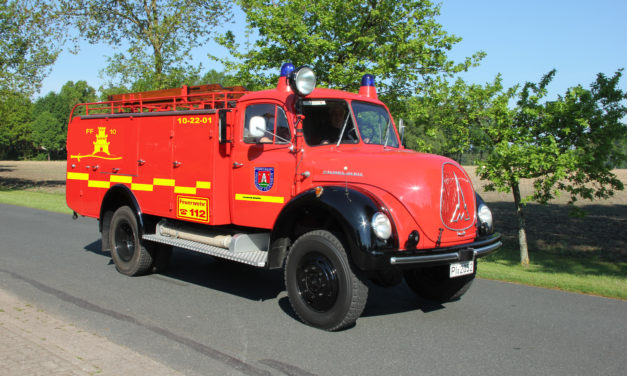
x=101, y=145
x=461, y=209
x=457, y=202
x=264, y=178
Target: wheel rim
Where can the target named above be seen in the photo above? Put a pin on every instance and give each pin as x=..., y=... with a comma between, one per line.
x=317, y=282
x=124, y=241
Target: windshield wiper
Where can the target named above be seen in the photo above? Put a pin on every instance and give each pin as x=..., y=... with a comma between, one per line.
x=343, y=129
x=387, y=133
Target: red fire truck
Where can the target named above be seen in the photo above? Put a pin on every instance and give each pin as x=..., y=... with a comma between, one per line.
x=315, y=181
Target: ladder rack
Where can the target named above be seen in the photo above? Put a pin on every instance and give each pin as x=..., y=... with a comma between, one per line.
x=200, y=97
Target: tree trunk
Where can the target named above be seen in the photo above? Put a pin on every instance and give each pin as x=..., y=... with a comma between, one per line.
x=522, y=234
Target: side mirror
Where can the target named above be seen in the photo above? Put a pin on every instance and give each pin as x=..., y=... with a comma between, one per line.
x=257, y=126
x=222, y=127
x=401, y=130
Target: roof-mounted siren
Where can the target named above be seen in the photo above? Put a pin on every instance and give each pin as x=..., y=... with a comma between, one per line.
x=286, y=71
x=367, y=88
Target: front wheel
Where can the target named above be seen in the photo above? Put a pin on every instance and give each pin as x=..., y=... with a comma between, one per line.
x=127, y=250
x=435, y=284
x=322, y=286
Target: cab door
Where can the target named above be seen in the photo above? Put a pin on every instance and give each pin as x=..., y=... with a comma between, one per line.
x=263, y=167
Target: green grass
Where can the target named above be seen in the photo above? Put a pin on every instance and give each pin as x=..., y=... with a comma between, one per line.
x=54, y=202
x=570, y=273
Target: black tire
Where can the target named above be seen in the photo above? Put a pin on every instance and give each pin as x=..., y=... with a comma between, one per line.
x=127, y=249
x=324, y=289
x=435, y=284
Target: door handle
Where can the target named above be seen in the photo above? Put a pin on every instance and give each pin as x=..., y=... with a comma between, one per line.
x=237, y=165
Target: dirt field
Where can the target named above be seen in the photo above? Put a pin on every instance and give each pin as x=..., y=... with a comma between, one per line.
x=602, y=232
x=47, y=176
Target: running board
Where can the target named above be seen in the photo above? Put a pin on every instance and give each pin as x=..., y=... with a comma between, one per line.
x=245, y=248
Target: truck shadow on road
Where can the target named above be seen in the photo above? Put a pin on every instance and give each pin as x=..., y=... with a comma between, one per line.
x=258, y=284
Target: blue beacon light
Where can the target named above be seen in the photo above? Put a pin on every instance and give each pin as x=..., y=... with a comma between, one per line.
x=367, y=80
x=367, y=88
x=286, y=70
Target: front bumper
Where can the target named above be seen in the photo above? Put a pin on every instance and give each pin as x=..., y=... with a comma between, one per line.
x=464, y=252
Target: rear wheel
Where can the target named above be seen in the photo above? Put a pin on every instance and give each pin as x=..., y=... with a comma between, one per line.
x=322, y=285
x=435, y=284
x=127, y=249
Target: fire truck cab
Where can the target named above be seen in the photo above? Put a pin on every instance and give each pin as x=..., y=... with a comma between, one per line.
x=315, y=181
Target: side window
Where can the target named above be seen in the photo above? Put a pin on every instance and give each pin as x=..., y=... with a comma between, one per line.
x=266, y=111
x=273, y=115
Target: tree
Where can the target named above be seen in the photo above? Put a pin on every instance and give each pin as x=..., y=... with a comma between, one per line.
x=446, y=118
x=216, y=77
x=399, y=42
x=50, y=116
x=564, y=145
x=47, y=133
x=29, y=45
x=160, y=35
x=14, y=131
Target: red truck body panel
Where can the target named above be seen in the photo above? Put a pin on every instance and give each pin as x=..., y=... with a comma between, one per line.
x=166, y=150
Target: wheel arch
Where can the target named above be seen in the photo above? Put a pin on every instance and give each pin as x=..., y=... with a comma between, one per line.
x=117, y=196
x=345, y=211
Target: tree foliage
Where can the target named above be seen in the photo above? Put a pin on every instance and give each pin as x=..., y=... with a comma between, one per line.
x=50, y=116
x=159, y=34
x=399, y=42
x=566, y=145
x=14, y=130
x=29, y=45
x=446, y=118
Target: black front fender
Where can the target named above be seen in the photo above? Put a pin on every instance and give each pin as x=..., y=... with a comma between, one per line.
x=348, y=212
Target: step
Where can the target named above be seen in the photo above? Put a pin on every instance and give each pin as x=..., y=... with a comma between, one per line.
x=244, y=247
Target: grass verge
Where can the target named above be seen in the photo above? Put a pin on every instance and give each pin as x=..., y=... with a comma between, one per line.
x=54, y=202
x=570, y=273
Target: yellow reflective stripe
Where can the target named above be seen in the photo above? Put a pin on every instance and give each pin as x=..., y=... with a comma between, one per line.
x=163, y=182
x=257, y=198
x=121, y=179
x=185, y=190
x=77, y=176
x=141, y=187
x=158, y=182
x=203, y=184
x=98, y=184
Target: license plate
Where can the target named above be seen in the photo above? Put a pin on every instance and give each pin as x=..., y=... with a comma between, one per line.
x=459, y=269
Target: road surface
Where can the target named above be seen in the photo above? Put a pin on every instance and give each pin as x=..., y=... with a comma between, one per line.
x=210, y=317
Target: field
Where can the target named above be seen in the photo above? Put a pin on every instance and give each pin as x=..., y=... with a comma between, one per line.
x=551, y=228
x=560, y=245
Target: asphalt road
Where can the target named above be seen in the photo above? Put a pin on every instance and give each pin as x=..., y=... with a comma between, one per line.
x=211, y=317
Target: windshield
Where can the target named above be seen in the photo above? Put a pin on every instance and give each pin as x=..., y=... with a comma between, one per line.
x=375, y=125
x=330, y=122
x=327, y=121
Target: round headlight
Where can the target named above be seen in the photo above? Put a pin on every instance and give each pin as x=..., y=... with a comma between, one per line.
x=485, y=217
x=303, y=81
x=381, y=226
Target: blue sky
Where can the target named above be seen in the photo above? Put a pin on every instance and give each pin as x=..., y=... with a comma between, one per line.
x=523, y=41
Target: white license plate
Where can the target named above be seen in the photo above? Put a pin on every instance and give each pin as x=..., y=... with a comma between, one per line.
x=459, y=269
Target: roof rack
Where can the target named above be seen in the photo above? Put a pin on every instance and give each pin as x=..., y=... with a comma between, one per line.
x=199, y=97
